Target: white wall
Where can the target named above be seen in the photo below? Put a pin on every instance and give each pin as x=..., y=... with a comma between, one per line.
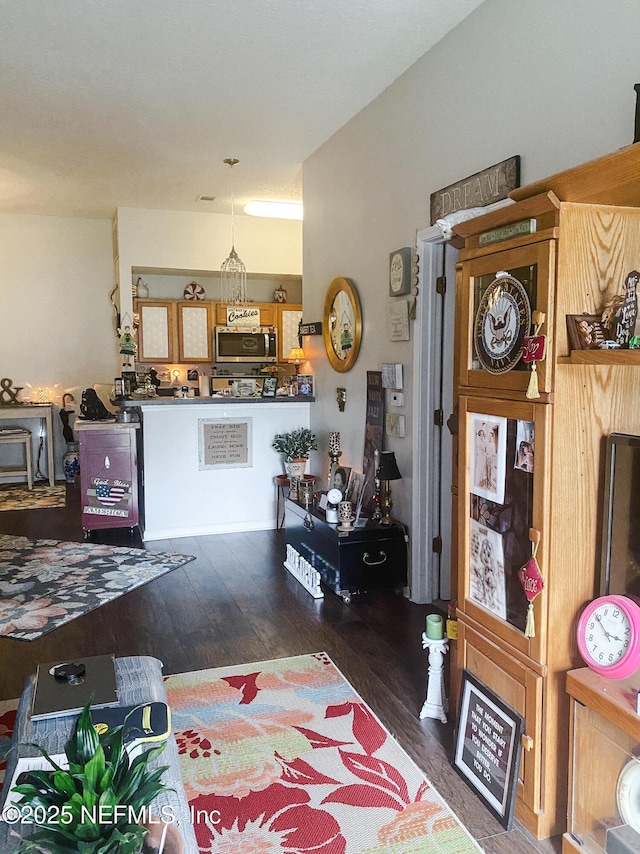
x=57, y=325
x=185, y=240
x=57, y=328
x=551, y=80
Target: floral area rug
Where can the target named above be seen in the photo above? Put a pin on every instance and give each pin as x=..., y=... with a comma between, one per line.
x=46, y=583
x=39, y=498
x=283, y=756
x=8, y=710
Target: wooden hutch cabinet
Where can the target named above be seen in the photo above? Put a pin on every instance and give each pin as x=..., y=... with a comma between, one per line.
x=533, y=469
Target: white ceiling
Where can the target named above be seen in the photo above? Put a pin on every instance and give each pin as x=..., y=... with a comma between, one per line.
x=137, y=102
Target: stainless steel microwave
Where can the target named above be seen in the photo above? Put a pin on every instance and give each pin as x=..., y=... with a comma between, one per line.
x=246, y=344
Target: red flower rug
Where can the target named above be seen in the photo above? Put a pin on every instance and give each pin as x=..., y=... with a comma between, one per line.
x=283, y=756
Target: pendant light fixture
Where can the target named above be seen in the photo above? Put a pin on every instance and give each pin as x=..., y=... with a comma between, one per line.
x=233, y=273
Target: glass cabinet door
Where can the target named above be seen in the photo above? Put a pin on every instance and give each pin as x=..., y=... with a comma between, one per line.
x=500, y=294
x=503, y=446
x=195, y=332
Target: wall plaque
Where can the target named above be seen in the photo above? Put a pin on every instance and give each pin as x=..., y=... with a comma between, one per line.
x=224, y=443
x=243, y=316
x=485, y=187
x=488, y=746
x=311, y=328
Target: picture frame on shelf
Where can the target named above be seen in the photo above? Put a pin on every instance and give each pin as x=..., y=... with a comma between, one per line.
x=585, y=331
x=354, y=486
x=305, y=384
x=269, y=386
x=340, y=479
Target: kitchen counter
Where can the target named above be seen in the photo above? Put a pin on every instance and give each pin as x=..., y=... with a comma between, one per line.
x=208, y=464
x=214, y=399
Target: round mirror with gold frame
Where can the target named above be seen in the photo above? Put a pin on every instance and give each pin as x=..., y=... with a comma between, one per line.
x=342, y=326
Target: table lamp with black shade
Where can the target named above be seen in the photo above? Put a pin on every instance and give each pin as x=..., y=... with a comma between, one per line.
x=387, y=470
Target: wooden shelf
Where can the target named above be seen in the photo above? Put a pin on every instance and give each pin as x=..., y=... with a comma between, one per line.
x=610, y=180
x=602, y=357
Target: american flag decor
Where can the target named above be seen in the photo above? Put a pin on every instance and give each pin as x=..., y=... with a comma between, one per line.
x=110, y=492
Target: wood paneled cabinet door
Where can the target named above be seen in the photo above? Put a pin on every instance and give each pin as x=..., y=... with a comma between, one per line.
x=195, y=332
x=501, y=293
x=267, y=313
x=156, y=331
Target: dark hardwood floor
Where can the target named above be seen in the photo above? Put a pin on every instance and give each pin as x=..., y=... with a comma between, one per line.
x=236, y=603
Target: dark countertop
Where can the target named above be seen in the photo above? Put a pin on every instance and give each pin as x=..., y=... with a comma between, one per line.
x=215, y=399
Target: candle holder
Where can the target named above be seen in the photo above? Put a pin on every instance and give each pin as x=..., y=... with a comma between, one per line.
x=334, y=455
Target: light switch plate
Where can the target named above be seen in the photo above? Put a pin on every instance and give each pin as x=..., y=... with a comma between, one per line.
x=397, y=398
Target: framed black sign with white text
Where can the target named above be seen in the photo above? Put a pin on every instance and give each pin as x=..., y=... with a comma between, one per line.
x=488, y=746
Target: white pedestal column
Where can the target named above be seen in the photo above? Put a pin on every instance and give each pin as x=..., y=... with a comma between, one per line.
x=436, y=705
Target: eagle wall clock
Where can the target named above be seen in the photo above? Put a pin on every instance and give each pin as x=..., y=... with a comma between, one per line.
x=502, y=321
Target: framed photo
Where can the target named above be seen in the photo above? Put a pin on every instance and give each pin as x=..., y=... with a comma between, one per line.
x=525, y=446
x=354, y=486
x=269, y=386
x=586, y=331
x=487, y=582
x=488, y=747
x=305, y=384
x=488, y=444
x=340, y=479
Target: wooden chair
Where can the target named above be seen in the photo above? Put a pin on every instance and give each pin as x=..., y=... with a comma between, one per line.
x=21, y=437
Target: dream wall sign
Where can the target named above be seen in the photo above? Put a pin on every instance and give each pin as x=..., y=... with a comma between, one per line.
x=483, y=188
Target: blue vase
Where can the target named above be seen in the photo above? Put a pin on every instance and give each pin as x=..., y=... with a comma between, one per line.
x=71, y=462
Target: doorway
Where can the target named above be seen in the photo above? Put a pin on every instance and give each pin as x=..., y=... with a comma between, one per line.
x=432, y=407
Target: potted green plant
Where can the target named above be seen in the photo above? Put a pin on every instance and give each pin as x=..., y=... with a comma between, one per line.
x=93, y=806
x=295, y=447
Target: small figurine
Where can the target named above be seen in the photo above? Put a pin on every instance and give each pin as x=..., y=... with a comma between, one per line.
x=127, y=342
x=620, y=313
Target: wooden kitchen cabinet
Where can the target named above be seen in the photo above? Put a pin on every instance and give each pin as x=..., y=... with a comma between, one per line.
x=195, y=331
x=604, y=779
x=174, y=331
x=584, y=244
x=267, y=313
x=156, y=331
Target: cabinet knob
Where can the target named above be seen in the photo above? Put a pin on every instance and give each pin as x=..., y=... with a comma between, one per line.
x=369, y=562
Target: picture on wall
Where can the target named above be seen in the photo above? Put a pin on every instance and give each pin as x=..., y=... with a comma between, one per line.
x=524, y=446
x=486, y=577
x=488, y=455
